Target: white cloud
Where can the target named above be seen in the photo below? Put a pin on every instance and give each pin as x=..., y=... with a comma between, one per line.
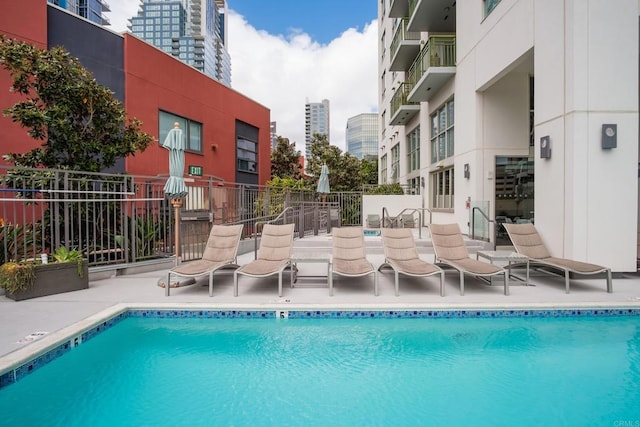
x=121, y=11
x=282, y=73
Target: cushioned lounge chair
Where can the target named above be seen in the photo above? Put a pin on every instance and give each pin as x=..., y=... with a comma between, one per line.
x=450, y=250
x=274, y=255
x=373, y=221
x=348, y=256
x=221, y=252
x=527, y=241
x=401, y=255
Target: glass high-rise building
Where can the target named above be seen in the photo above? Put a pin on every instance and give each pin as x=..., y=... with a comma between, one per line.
x=190, y=30
x=316, y=118
x=90, y=9
x=362, y=135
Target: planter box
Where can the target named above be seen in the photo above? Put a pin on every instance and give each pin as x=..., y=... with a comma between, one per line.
x=55, y=279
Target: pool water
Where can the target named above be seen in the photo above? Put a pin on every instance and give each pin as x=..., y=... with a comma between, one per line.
x=400, y=372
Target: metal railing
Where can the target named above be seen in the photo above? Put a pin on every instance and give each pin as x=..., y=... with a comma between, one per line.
x=122, y=219
x=486, y=217
x=438, y=51
x=399, y=97
x=401, y=35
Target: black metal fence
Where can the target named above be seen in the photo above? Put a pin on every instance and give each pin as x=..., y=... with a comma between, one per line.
x=116, y=219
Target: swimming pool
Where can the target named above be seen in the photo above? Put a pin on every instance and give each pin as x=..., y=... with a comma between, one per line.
x=177, y=367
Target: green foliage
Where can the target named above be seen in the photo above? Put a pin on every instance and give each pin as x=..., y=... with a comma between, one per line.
x=344, y=169
x=369, y=171
x=394, y=188
x=272, y=200
x=285, y=160
x=16, y=239
x=80, y=123
x=16, y=277
x=62, y=254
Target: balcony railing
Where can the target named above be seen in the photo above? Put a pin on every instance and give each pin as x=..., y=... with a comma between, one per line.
x=398, y=100
x=401, y=35
x=439, y=51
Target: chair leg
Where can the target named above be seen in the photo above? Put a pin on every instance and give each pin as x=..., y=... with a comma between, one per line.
x=211, y=284
x=167, y=285
x=441, y=283
x=397, y=287
x=566, y=281
x=609, y=282
x=506, y=282
x=461, y=283
x=375, y=283
x=235, y=283
x=280, y=282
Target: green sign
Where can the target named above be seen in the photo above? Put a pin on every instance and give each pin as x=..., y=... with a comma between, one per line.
x=195, y=170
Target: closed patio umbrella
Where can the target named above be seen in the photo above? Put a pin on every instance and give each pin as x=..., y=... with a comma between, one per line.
x=323, y=181
x=175, y=188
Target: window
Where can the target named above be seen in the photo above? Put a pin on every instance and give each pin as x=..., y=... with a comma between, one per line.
x=192, y=130
x=395, y=162
x=247, y=154
x=383, y=169
x=413, y=150
x=442, y=132
x=489, y=5
x=442, y=189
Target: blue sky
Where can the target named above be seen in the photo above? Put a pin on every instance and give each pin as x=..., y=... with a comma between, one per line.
x=285, y=53
x=322, y=20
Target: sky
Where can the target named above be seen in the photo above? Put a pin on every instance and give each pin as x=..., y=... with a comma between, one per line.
x=285, y=53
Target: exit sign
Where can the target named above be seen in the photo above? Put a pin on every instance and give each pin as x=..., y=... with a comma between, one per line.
x=195, y=170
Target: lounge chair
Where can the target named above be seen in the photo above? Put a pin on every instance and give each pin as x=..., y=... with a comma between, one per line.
x=451, y=250
x=348, y=256
x=221, y=252
x=527, y=241
x=401, y=255
x=274, y=255
x=373, y=221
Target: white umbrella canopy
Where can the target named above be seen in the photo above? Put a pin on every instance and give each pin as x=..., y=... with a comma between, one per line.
x=175, y=187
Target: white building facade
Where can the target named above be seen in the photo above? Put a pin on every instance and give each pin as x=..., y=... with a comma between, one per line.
x=525, y=109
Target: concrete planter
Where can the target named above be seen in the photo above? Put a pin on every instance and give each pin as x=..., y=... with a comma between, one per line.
x=55, y=279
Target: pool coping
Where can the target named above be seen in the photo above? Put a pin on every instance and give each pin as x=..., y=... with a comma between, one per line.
x=59, y=342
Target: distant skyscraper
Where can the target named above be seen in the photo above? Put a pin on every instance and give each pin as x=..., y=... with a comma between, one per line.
x=274, y=136
x=316, y=120
x=89, y=9
x=362, y=135
x=193, y=31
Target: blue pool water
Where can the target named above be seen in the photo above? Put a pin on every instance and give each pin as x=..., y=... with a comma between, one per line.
x=401, y=372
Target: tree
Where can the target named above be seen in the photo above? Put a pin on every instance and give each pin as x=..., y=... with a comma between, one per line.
x=344, y=169
x=369, y=171
x=285, y=160
x=82, y=126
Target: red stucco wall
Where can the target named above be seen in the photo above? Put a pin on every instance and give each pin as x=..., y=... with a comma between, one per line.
x=155, y=80
x=25, y=20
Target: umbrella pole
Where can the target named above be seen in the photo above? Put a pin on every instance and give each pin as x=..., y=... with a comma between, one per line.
x=177, y=204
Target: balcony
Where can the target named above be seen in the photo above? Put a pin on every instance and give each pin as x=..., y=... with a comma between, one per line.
x=433, y=16
x=404, y=47
x=401, y=109
x=435, y=64
x=399, y=8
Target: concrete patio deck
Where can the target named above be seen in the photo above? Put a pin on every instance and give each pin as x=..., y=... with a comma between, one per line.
x=52, y=313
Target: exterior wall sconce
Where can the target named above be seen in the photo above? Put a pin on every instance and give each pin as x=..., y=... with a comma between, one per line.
x=545, y=147
x=214, y=147
x=467, y=172
x=609, y=136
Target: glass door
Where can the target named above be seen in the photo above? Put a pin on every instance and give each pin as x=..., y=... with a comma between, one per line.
x=514, y=194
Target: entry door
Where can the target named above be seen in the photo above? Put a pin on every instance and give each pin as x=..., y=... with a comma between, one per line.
x=514, y=194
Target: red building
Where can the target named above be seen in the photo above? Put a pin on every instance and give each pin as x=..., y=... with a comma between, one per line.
x=228, y=134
